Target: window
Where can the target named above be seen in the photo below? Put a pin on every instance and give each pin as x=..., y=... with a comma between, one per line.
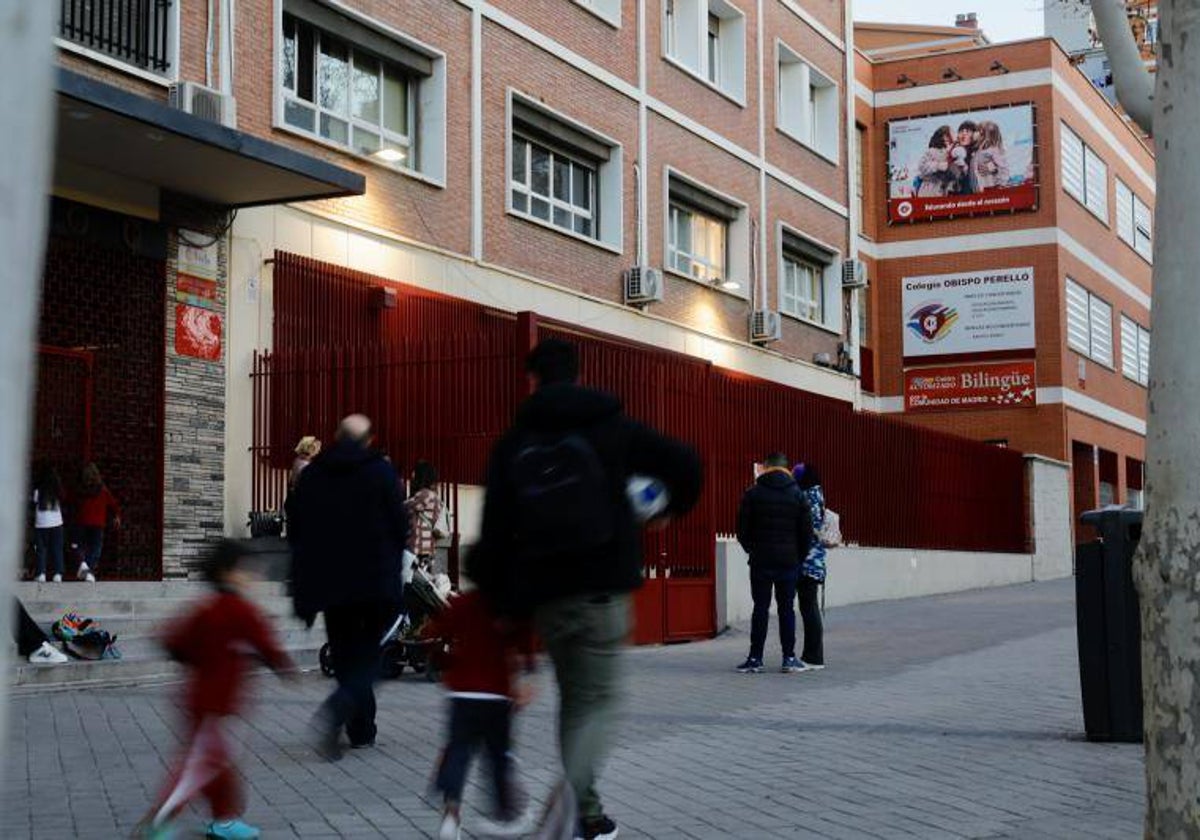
x=1084, y=174
x=351, y=85
x=699, y=226
x=804, y=278
x=707, y=38
x=860, y=174
x=1089, y=324
x=608, y=10
x=1135, y=223
x=714, y=49
x=807, y=106
x=550, y=186
x=140, y=34
x=1135, y=351
x=559, y=173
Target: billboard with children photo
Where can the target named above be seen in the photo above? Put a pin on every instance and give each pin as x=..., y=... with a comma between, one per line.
x=961, y=164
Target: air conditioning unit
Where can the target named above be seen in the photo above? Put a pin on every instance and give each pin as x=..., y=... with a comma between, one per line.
x=642, y=285
x=203, y=102
x=765, y=326
x=854, y=274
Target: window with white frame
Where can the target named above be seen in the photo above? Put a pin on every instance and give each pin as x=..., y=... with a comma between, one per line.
x=698, y=225
x=807, y=106
x=353, y=86
x=1135, y=351
x=609, y=10
x=802, y=283
x=707, y=37
x=1089, y=324
x=1135, y=222
x=1084, y=174
x=860, y=175
x=561, y=174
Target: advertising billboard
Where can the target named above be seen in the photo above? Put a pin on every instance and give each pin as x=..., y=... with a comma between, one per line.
x=978, y=312
x=961, y=164
x=971, y=386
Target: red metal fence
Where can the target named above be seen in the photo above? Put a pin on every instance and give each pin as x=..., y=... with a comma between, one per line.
x=441, y=379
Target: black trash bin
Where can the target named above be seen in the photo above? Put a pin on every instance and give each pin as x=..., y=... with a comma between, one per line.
x=1109, y=626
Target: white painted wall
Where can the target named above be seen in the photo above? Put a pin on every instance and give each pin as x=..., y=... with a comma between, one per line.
x=259, y=232
x=1050, y=517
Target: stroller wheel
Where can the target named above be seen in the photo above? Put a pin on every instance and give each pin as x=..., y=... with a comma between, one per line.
x=391, y=661
x=325, y=658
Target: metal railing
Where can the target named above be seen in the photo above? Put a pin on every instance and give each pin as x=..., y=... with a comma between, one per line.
x=134, y=31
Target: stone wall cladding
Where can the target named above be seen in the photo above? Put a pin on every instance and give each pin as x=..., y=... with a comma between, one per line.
x=194, y=428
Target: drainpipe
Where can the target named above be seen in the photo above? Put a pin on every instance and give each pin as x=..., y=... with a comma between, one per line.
x=208, y=45
x=226, y=48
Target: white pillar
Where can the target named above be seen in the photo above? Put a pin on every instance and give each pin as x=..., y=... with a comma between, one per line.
x=26, y=100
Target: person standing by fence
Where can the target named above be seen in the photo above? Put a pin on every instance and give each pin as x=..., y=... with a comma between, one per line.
x=559, y=540
x=812, y=571
x=48, y=523
x=425, y=509
x=94, y=508
x=774, y=526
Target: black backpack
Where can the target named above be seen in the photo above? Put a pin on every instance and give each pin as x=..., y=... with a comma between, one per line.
x=564, y=504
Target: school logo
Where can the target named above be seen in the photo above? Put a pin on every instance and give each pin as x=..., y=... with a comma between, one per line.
x=904, y=209
x=932, y=321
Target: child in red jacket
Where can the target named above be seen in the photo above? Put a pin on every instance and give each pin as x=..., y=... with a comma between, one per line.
x=94, y=507
x=485, y=653
x=213, y=642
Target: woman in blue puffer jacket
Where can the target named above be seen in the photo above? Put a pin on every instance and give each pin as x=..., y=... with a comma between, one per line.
x=812, y=570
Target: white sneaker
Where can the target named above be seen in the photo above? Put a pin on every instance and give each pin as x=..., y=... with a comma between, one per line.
x=516, y=827
x=47, y=655
x=57, y=578
x=40, y=578
x=89, y=577
x=808, y=666
x=451, y=828
x=84, y=571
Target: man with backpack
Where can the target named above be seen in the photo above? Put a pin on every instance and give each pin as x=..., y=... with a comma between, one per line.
x=774, y=526
x=560, y=542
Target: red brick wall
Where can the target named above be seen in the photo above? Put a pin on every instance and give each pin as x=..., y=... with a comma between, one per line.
x=112, y=303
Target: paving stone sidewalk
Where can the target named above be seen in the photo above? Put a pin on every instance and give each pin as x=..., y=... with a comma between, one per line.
x=947, y=717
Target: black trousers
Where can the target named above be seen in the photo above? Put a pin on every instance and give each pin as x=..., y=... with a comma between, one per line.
x=475, y=723
x=26, y=633
x=810, y=617
x=355, y=631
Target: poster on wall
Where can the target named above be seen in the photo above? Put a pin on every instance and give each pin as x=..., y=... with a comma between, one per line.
x=961, y=164
x=197, y=333
x=971, y=386
x=196, y=291
x=978, y=312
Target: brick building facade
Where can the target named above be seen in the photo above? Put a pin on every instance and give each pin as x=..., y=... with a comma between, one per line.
x=1086, y=239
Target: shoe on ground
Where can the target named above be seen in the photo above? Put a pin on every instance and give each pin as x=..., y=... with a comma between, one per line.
x=89, y=578
x=84, y=571
x=792, y=665
x=601, y=828
x=232, y=830
x=518, y=826
x=57, y=578
x=47, y=654
x=149, y=831
x=451, y=828
x=812, y=666
x=752, y=665
x=40, y=578
x=327, y=738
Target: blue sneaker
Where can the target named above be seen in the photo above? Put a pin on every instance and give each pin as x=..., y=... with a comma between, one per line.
x=792, y=665
x=752, y=665
x=150, y=831
x=232, y=830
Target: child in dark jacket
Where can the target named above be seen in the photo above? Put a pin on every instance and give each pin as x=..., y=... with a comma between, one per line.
x=479, y=675
x=214, y=641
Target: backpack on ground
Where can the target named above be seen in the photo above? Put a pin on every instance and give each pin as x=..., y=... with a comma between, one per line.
x=564, y=504
x=84, y=638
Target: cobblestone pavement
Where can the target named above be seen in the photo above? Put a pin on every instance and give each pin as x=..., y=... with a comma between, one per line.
x=946, y=717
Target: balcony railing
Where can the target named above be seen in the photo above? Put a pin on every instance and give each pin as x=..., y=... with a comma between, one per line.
x=136, y=32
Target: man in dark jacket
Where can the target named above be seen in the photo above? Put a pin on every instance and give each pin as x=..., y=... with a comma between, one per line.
x=347, y=527
x=560, y=542
x=774, y=526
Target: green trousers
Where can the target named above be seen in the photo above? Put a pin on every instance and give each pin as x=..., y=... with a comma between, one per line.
x=584, y=636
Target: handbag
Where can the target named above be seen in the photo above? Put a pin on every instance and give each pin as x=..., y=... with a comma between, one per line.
x=830, y=532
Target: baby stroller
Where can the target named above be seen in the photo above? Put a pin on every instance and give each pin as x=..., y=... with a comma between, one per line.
x=403, y=646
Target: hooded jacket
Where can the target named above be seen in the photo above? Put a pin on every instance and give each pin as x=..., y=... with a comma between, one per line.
x=774, y=523
x=347, y=528
x=625, y=448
